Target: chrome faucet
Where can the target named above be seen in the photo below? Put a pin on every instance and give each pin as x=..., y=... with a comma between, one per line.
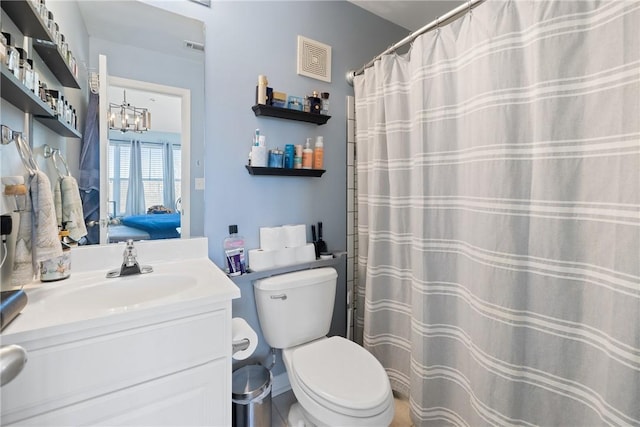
x=130, y=263
x=130, y=260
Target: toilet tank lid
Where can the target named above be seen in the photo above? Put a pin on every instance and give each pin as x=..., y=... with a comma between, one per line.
x=296, y=279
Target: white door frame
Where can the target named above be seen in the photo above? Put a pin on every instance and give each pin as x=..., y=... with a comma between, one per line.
x=185, y=139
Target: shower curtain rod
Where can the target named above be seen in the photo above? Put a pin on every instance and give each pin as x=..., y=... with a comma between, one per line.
x=441, y=20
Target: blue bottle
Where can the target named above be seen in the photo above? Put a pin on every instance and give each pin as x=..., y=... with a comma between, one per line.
x=289, y=155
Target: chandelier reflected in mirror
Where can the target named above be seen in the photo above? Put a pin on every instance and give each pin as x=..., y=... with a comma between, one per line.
x=125, y=117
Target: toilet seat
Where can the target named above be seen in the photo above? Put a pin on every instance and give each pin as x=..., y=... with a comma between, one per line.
x=340, y=376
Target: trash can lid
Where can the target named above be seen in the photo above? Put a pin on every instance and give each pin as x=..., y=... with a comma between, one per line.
x=250, y=381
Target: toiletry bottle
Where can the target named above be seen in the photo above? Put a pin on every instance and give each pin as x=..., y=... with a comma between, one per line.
x=3, y=48
x=318, y=153
x=297, y=159
x=60, y=109
x=315, y=103
x=307, y=155
x=12, y=58
x=325, y=103
x=234, y=252
x=27, y=74
x=276, y=158
x=19, y=70
x=261, y=95
x=289, y=155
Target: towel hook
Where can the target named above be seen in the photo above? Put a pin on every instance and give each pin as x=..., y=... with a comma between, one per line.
x=54, y=154
x=94, y=82
x=8, y=136
x=25, y=153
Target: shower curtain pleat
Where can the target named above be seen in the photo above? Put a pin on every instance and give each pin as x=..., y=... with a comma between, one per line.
x=168, y=179
x=499, y=216
x=89, y=180
x=135, y=204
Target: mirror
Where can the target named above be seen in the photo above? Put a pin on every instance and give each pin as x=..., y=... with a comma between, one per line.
x=150, y=54
x=148, y=205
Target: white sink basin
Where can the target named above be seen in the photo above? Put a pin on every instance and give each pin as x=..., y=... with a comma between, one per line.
x=121, y=293
x=88, y=297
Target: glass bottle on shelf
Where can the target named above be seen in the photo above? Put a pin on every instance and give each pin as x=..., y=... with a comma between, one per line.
x=67, y=109
x=325, y=103
x=64, y=47
x=3, y=49
x=60, y=108
x=315, y=103
x=56, y=34
x=12, y=60
x=43, y=11
x=42, y=93
x=20, y=70
x=51, y=24
x=26, y=73
x=35, y=86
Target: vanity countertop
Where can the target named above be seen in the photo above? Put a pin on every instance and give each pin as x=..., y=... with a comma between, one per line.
x=183, y=279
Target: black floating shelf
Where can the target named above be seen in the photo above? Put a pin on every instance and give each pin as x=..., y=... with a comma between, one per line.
x=24, y=15
x=17, y=94
x=58, y=126
x=254, y=170
x=289, y=114
x=52, y=56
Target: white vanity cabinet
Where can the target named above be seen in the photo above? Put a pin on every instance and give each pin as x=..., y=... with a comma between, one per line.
x=143, y=350
x=163, y=369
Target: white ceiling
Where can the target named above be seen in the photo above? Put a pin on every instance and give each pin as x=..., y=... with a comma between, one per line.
x=412, y=14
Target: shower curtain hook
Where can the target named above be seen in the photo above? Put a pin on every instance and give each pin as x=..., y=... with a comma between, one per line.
x=470, y=8
x=438, y=25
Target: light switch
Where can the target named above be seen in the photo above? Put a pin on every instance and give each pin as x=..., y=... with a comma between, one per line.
x=199, y=183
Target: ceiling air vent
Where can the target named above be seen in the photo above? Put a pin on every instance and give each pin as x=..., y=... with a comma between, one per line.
x=314, y=59
x=194, y=45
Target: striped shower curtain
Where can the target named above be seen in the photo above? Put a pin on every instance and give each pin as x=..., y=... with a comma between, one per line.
x=499, y=216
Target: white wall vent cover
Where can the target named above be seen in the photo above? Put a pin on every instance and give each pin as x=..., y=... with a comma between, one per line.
x=314, y=59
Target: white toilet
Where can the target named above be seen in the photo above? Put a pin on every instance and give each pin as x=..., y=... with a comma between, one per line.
x=336, y=382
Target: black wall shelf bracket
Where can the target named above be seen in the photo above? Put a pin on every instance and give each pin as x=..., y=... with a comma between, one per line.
x=289, y=114
x=254, y=170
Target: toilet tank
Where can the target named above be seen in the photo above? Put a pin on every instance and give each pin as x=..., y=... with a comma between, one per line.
x=295, y=308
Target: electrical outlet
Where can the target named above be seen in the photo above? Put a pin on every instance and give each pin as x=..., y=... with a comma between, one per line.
x=6, y=225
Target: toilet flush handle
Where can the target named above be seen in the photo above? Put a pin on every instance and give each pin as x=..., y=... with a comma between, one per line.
x=280, y=296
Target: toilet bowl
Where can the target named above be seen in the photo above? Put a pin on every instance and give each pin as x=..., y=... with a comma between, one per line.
x=336, y=382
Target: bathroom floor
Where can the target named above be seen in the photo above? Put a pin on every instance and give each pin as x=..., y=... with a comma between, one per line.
x=282, y=402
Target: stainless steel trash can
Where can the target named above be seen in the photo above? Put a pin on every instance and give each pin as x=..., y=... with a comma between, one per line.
x=251, y=396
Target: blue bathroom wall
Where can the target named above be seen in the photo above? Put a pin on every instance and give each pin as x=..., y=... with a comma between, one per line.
x=245, y=39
